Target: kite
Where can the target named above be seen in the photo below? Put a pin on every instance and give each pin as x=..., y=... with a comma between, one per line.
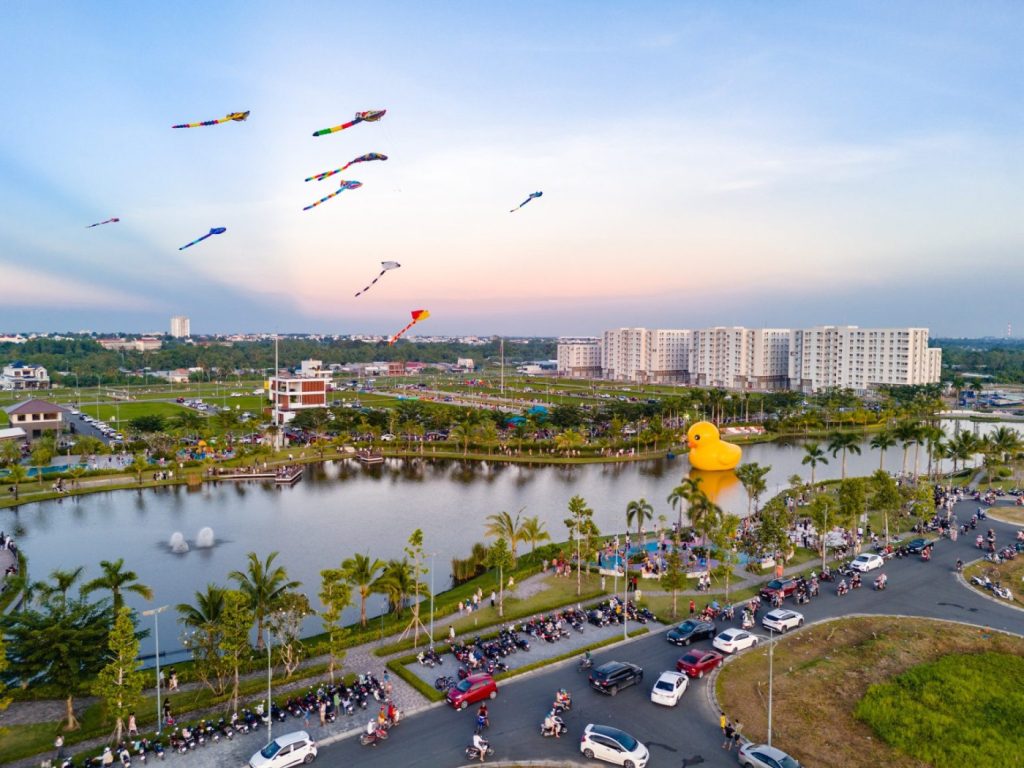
x=344, y=185
x=417, y=315
x=535, y=194
x=236, y=116
x=214, y=231
x=361, y=159
x=361, y=117
x=108, y=221
x=387, y=265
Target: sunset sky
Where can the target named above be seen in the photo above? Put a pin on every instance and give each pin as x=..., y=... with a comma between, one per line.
x=779, y=164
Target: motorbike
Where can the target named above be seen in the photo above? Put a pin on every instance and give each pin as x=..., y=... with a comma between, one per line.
x=472, y=753
x=1002, y=592
x=444, y=682
x=880, y=584
x=562, y=706
x=560, y=728
x=584, y=664
x=373, y=739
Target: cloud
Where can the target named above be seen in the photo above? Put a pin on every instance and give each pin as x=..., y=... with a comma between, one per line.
x=25, y=287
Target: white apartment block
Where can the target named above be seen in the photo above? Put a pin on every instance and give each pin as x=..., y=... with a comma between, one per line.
x=669, y=358
x=643, y=355
x=180, y=327
x=740, y=358
x=861, y=358
x=580, y=360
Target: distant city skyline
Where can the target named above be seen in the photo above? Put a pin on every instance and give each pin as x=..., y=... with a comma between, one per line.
x=733, y=164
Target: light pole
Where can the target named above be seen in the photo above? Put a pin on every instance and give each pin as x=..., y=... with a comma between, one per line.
x=625, y=591
x=270, y=716
x=771, y=655
x=155, y=613
x=432, y=555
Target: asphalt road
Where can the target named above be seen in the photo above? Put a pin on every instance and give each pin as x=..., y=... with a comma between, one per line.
x=438, y=736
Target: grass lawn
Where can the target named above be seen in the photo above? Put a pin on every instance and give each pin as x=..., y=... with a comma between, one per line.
x=1009, y=574
x=1007, y=514
x=823, y=672
x=128, y=411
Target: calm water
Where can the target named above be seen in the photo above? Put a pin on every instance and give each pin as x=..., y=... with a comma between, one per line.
x=341, y=508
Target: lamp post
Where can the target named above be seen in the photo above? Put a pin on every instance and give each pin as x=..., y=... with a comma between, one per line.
x=625, y=591
x=270, y=716
x=432, y=555
x=155, y=613
x=771, y=655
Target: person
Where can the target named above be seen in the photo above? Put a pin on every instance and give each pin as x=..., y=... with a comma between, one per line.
x=481, y=745
x=371, y=728
x=562, y=697
x=58, y=744
x=393, y=713
x=550, y=726
x=382, y=717
x=959, y=566
x=172, y=684
x=693, y=607
x=728, y=732
x=108, y=757
x=133, y=727
x=451, y=632
x=482, y=716
x=323, y=713
x=494, y=598
x=736, y=736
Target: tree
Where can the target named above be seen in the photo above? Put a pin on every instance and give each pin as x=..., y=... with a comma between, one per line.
x=907, y=433
x=499, y=556
x=752, y=477
x=773, y=528
x=844, y=442
x=16, y=475
x=580, y=524
x=139, y=466
x=153, y=422
x=396, y=583
x=569, y=441
x=4, y=664
x=504, y=526
x=822, y=512
x=56, y=645
x=814, y=456
x=851, y=501
x=885, y=497
x=882, y=442
x=336, y=596
x=704, y=515
x=363, y=573
x=262, y=584
x=202, y=636
x=117, y=581
x=42, y=455
x=119, y=684
x=724, y=538
x=235, y=624
x=10, y=453
x=687, y=491
x=674, y=577
x=532, y=530
x=414, y=550
x=56, y=590
x=640, y=511
x=285, y=624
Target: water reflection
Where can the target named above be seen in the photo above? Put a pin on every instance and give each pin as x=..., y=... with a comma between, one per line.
x=719, y=486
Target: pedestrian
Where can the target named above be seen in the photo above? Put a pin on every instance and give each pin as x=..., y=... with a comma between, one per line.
x=172, y=683
x=693, y=610
x=494, y=598
x=305, y=717
x=460, y=607
x=133, y=728
x=722, y=722
x=729, y=732
x=451, y=633
x=736, y=737
x=58, y=744
x=323, y=713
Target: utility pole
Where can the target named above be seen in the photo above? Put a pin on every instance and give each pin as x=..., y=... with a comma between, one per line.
x=155, y=612
x=771, y=656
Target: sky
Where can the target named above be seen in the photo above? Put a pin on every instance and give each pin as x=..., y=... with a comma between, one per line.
x=736, y=163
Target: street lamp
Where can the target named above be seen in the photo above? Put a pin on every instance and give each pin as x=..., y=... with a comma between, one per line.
x=155, y=612
x=771, y=655
x=432, y=555
x=270, y=715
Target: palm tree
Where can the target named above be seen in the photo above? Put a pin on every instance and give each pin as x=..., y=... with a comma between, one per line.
x=844, y=441
x=262, y=584
x=704, y=515
x=532, y=530
x=59, y=585
x=640, y=511
x=463, y=432
x=363, y=573
x=882, y=442
x=568, y=441
x=687, y=491
x=1005, y=442
x=207, y=608
x=813, y=456
x=16, y=475
x=752, y=477
x=397, y=583
x=117, y=581
x=907, y=433
x=139, y=465
x=504, y=526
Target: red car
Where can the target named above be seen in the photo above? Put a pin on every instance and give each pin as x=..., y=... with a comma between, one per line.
x=696, y=662
x=786, y=586
x=471, y=690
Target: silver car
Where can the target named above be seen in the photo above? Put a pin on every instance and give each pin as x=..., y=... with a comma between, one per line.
x=295, y=748
x=763, y=756
x=782, y=619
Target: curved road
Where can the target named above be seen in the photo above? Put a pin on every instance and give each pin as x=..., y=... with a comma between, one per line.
x=437, y=736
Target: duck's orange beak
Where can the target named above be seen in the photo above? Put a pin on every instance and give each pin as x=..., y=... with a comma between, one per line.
x=691, y=443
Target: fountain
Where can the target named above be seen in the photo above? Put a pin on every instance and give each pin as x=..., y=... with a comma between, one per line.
x=178, y=544
x=204, y=539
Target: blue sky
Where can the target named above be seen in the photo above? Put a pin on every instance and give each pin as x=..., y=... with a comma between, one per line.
x=702, y=164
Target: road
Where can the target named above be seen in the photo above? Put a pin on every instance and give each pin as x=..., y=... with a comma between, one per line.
x=437, y=737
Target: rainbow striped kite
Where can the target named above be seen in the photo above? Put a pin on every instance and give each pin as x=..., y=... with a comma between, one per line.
x=238, y=117
x=344, y=185
x=108, y=221
x=361, y=159
x=371, y=116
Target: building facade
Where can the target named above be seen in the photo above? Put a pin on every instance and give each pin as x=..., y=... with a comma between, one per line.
x=646, y=355
x=740, y=358
x=580, y=360
x=36, y=417
x=19, y=375
x=180, y=327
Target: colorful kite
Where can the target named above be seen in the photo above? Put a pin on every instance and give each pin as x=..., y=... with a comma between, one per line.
x=387, y=265
x=236, y=116
x=108, y=221
x=214, y=231
x=535, y=194
x=371, y=116
x=344, y=185
x=417, y=315
x=361, y=159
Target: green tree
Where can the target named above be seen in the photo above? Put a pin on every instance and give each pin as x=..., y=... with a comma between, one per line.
x=396, y=583
x=723, y=536
x=202, y=636
x=119, y=684
x=752, y=477
x=882, y=442
x=56, y=645
x=851, y=501
x=503, y=525
x=117, y=581
x=532, y=530
x=674, y=577
x=844, y=442
x=56, y=590
x=414, y=550
x=235, y=624
x=686, y=492
x=285, y=625
x=42, y=455
x=580, y=522
x=907, y=432
x=152, y=422
x=363, y=573
x=499, y=556
x=5, y=700
x=336, y=596
x=823, y=512
x=885, y=497
x=704, y=515
x=640, y=511
x=568, y=441
x=10, y=453
x=262, y=583
x=814, y=456
x=16, y=475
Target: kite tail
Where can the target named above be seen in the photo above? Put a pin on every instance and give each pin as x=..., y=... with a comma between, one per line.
x=372, y=283
x=198, y=125
x=337, y=128
x=323, y=199
x=399, y=334
x=197, y=240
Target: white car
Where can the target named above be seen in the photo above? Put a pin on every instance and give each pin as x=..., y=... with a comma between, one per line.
x=291, y=749
x=867, y=562
x=732, y=640
x=763, y=756
x=781, y=619
x=669, y=689
x=602, y=742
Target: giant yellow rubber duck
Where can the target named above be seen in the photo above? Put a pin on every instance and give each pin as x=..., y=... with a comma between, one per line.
x=708, y=451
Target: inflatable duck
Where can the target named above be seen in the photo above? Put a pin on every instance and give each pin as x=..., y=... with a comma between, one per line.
x=708, y=451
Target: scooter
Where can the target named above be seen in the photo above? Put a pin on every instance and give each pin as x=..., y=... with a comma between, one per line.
x=472, y=753
x=560, y=728
x=584, y=664
x=373, y=739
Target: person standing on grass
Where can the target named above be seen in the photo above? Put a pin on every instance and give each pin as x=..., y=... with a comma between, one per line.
x=693, y=610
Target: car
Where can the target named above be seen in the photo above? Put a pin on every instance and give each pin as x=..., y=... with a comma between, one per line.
x=732, y=640
x=782, y=619
x=762, y=756
x=614, y=675
x=602, y=742
x=472, y=689
x=697, y=663
x=669, y=688
x=914, y=546
x=690, y=630
x=867, y=562
x=786, y=586
x=295, y=748
x=180, y=400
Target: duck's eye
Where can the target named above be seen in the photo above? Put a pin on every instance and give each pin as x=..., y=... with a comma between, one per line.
x=696, y=437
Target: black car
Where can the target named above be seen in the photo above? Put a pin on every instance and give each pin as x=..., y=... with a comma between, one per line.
x=610, y=677
x=690, y=630
x=916, y=545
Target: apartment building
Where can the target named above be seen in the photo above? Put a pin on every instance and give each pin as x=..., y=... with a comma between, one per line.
x=861, y=358
x=19, y=375
x=740, y=358
x=180, y=327
x=580, y=360
x=645, y=355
